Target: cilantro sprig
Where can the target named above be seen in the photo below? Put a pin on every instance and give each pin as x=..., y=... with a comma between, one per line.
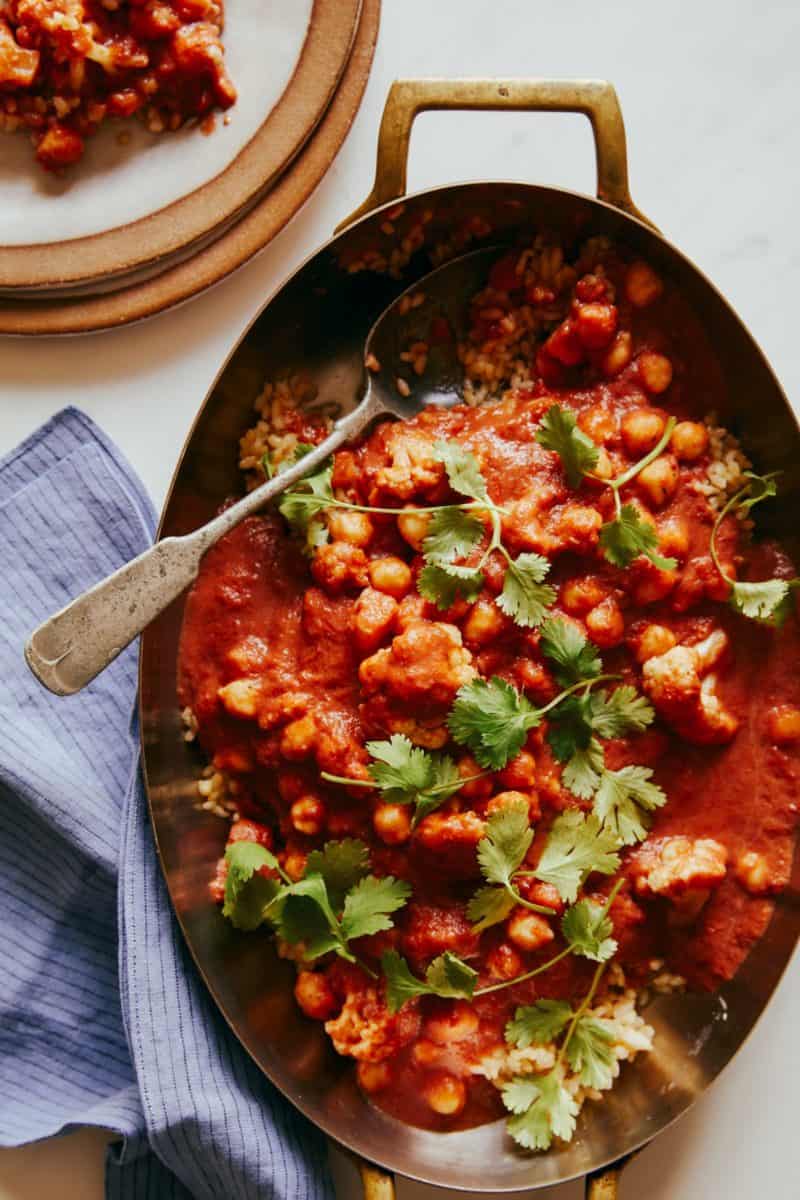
x=447, y=976
x=406, y=774
x=769, y=600
x=541, y=1106
x=576, y=845
x=336, y=901
x=525, y=597
x=626, y=536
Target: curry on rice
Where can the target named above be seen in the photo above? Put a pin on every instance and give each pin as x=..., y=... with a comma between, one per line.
x=502, y=703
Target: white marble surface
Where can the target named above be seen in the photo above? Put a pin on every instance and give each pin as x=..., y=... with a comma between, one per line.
x=712, y=103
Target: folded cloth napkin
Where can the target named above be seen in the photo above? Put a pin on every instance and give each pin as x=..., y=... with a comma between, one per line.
x=103, y=1020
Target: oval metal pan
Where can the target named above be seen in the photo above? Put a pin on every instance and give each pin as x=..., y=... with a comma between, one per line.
x=318, y=320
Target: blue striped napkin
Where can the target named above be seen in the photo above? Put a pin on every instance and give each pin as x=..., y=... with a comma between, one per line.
x=103, y=1020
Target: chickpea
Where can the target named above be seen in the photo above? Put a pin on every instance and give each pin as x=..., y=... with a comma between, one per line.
x=374, y=618
x=605, y=624
x=654, y=640
x=392, y=823
x=374, y=1077
x=641, y=429
x=596, y=324
x=542, y=893
x=689, y=441
x=504, y=962
x=484, y=623
x=446, y=1094
x=673, y=538
x=353, y=527
x=520, y=772
x=425, y=1053
x=477, y=789
x=784, y=724
x=599, y=423
x=390, y=575
x=578, y=527
x=655, y=372
x=241, y=697
x=298, y=738
x=250, y=831
x=455, y=1025
x=618, y=355
x=308, y=815
x=413, y=527
x=504, y=799
x=752, y=871
x=659, y=479
x=642, y=285
x=603, y=468
x=652, y=585
x=528, y=930
x=233, y=758
x=294, y=864
x=580, y=595
x=314, y=995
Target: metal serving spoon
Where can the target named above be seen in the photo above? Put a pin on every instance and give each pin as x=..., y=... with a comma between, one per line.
x=67, y=651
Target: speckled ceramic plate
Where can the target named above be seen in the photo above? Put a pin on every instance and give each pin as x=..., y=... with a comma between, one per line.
x=134, y=302
x=126, y=208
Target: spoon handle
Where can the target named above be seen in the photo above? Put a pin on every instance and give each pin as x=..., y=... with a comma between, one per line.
x=69, y=649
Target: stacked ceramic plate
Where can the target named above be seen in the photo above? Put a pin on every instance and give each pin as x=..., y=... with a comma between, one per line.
x=146, y=220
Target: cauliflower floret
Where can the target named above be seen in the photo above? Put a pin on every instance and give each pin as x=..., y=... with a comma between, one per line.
x=366, y=1030
x=425, y=665
x=682, y=869
x=18, y=66
x=413, y=467
x=683, y=690
x=339, y=567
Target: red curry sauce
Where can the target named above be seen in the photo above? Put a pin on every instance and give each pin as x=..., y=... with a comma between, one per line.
x=327, y=654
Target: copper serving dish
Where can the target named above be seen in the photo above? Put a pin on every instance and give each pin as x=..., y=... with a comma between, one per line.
x=318, y=320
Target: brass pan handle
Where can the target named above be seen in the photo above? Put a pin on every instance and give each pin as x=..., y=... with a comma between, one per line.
x=377, y=1184
x=595, y=98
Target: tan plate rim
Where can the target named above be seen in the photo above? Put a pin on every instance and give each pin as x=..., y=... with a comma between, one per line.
x=251, y=234
x=169, y=230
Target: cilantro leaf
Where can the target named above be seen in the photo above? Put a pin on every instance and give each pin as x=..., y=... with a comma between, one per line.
x=543, y=1109
x=525, y=598
x=400, y=769
x=493, y=719
x=537, y=1024
x=765, y=601
x=615, y=714
x=590, y=1052
x=341, y=865
x=447, y=976
x=628, y=536
x=489, y=906
x=450, y=977
x=761, y=487
x=452, y=534
x=307, y=497
x=573, y=655
x=407, y=774
x=247, y=893
x=570, y=727
x=588, y=930
x=508, y=839
x=559, y=432
x=581, y=774
x=306, y=916
x=368, y=905
x=620, y=799
x=576, y=846
x=444, y=583
x=462, y=469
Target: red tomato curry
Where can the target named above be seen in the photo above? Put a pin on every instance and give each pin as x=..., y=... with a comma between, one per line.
x=291, y=664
